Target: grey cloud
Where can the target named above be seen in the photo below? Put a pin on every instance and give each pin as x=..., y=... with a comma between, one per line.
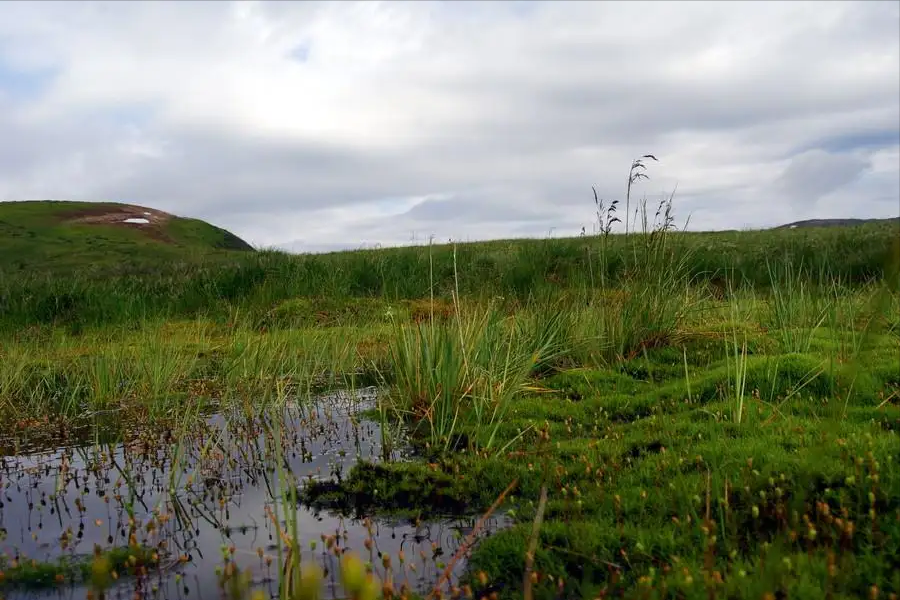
x=865, y=138
x=463, y=207
x=223, y=174
x=813, y=174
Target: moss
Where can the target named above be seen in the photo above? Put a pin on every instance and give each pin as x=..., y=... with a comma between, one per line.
x=326, y=312
x=650, y=522
x=629, y=496
x=411, y=489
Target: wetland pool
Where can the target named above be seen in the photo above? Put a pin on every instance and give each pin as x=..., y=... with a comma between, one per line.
x=214, y=491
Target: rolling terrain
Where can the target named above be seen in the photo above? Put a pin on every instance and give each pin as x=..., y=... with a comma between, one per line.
x=61, y=235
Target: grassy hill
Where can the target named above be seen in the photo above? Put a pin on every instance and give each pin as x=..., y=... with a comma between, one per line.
x=59, y=236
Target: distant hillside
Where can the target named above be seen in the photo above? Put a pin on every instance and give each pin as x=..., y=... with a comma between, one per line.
x=834, y=222
x=56, y=235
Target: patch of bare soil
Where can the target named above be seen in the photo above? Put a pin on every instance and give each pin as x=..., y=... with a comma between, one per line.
x=148, y=220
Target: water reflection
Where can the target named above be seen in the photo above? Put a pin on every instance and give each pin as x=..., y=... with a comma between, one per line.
x=196, y=496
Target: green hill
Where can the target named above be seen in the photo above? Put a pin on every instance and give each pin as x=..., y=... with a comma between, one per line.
x=58, y=235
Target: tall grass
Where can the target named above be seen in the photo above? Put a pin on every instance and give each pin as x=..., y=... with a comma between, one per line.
x=257, y=282
x=155, y=371
x=736, y=365
x=798, y=307
x=444, y=375
x=648, y=302
x=466, y=374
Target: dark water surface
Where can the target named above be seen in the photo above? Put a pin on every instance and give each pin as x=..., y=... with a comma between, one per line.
x=216, y=491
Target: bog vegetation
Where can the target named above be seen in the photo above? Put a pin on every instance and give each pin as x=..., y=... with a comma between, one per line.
x=653, y=415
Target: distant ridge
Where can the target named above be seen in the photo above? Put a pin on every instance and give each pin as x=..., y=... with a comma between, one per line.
x=835, y=222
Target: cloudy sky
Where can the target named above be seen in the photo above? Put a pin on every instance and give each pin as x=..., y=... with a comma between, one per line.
x=313, y=126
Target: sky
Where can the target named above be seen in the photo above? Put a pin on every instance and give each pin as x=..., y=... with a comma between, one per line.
x=313, y=126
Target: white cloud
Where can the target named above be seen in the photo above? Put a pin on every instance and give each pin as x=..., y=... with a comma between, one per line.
x=348, y=123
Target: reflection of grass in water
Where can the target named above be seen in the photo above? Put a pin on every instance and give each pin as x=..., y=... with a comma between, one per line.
x=116, y=563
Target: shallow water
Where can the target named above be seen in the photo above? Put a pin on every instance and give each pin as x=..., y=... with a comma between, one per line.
x=217, y=490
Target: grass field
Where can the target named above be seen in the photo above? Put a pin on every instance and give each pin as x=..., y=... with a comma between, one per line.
x=659, y=415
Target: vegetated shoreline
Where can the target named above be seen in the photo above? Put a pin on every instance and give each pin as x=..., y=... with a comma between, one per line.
x=663, y=414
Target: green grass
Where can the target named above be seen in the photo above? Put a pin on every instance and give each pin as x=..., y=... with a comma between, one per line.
x=711, y=414
x=45, y=236
x=102, y=277
x=149, y=372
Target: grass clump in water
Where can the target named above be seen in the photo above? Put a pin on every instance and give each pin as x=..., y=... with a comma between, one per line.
x=97, y=570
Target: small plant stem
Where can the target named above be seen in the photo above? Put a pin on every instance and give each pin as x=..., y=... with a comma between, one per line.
x=532, y=543
x=445, y=576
